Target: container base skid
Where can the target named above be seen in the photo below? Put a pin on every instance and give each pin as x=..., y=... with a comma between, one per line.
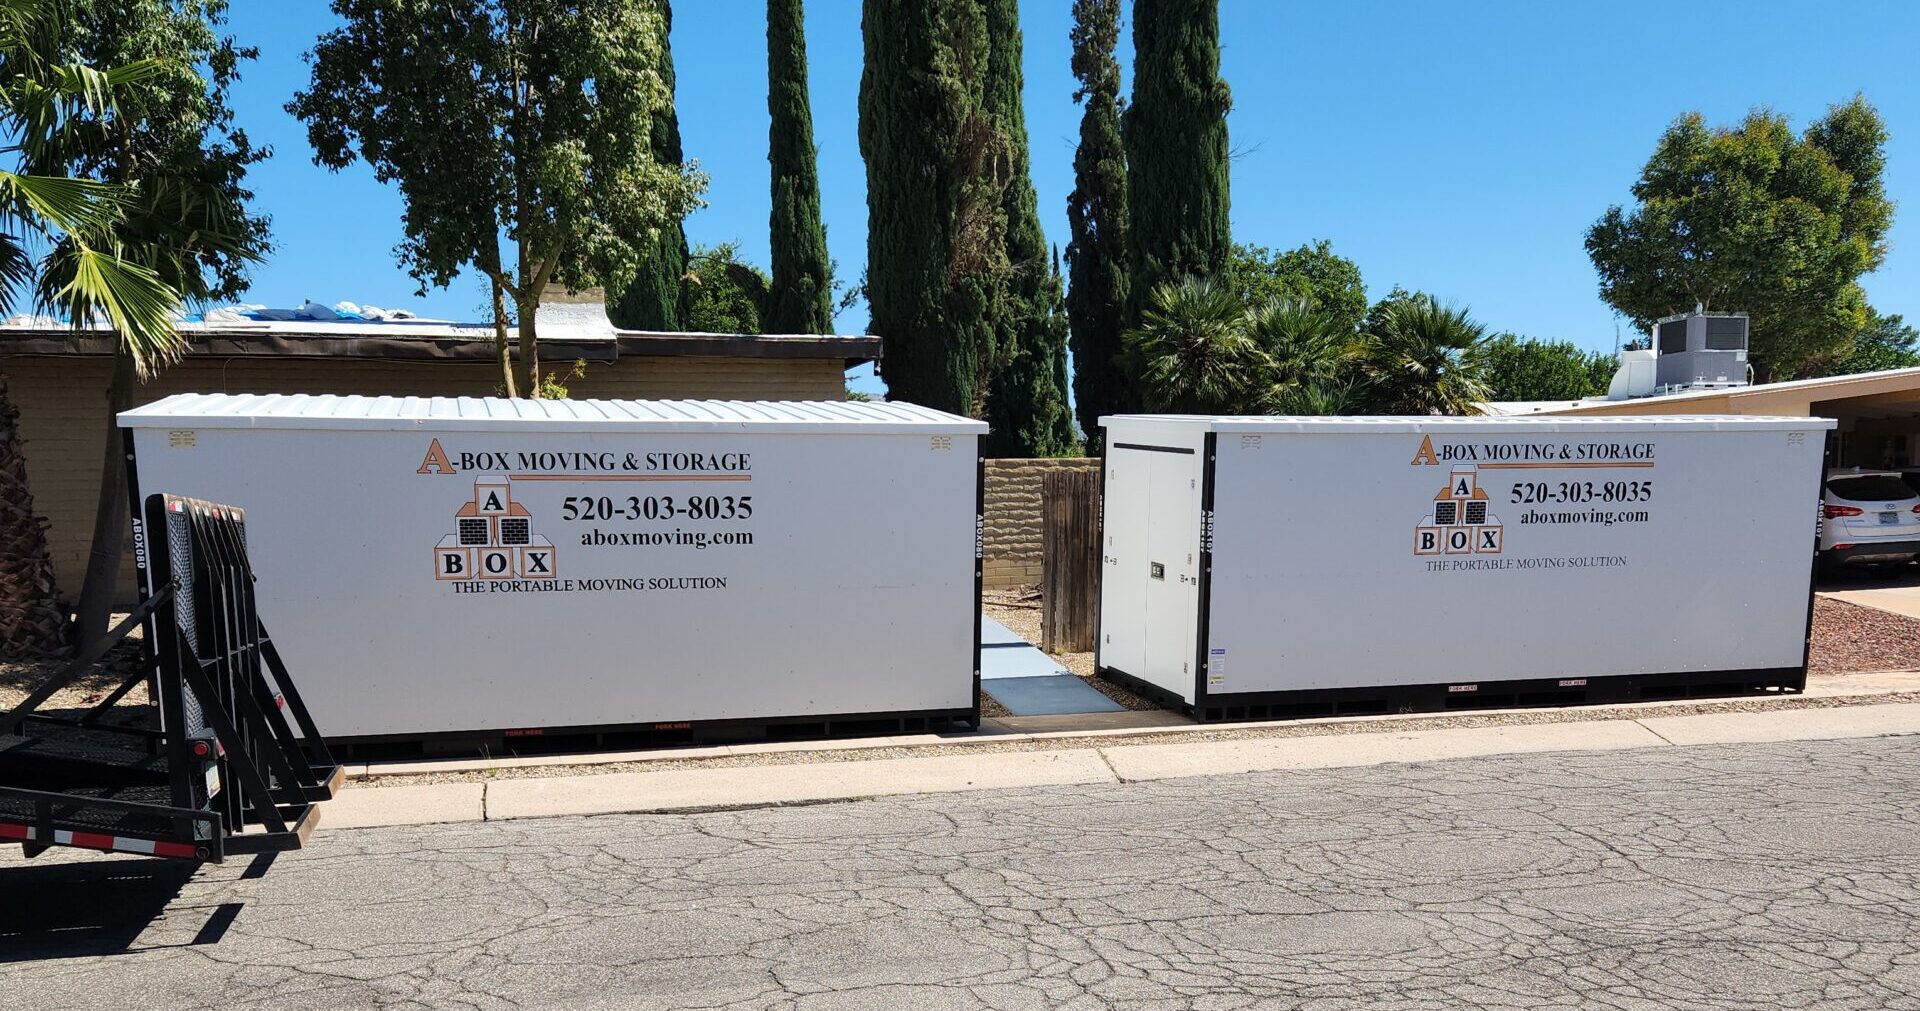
x=634, y=737
x=1521, y=694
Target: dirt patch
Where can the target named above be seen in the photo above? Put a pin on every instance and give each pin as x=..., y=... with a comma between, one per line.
x=1850, y=639
x=19, y=678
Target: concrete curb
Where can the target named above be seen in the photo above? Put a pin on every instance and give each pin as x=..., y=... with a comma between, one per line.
x=1213, y=758
x=685, y=790
x=998, y=732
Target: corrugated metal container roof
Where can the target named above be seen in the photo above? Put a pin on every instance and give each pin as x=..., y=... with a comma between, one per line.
x=1532, y=423
x=305, y=411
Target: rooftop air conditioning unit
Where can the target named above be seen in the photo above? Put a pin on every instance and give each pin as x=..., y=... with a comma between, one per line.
x=1700, y=349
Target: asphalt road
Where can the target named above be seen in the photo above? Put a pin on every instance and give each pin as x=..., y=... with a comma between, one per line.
x=1749, y=876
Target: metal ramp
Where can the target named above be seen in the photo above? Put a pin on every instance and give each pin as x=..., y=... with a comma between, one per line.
x=215, y=764
x=1030, y=683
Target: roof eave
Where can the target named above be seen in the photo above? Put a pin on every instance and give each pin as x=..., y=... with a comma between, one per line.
x=317, y=342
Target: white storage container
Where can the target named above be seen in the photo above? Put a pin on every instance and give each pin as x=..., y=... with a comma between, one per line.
x=488, y=567
x=1273, y=566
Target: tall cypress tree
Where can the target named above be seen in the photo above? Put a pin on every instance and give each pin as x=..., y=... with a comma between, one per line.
x=656, y=299
x=801, y=300
x=935, y=225
x=1026, y=399
x=1097, y=216
x=1176, y=137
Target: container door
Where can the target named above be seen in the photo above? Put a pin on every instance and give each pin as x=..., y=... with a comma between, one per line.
x=1173, y=569
x=1123, y=549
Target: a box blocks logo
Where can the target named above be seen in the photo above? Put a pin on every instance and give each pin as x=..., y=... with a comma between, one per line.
x=493, y=538
x=1460, y=522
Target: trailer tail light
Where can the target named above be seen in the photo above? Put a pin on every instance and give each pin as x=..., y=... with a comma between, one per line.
x=202, y=749
x=1836, y=511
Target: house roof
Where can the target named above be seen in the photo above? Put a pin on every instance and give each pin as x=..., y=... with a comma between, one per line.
x=1891, y=387
x=410, y=339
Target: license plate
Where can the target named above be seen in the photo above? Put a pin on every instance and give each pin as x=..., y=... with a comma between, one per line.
x=1889, y=519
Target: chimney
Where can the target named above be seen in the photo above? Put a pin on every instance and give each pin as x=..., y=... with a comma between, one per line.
x=573, y=313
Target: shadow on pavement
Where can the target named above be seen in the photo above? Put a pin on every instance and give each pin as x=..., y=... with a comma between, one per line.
x=1862, y=578
x=102, y=907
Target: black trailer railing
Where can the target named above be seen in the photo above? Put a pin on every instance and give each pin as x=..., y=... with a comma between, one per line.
x=225, y=757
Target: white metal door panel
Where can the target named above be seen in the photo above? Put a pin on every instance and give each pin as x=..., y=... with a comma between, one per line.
x=846, y=585
x=1123, y=596
x=1621, y=551
x=1173, y=572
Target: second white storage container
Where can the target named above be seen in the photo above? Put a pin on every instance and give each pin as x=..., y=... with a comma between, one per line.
x=1267, y=566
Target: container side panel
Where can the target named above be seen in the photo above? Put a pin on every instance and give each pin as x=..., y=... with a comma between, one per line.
x=431, y=581
x=1469, y=555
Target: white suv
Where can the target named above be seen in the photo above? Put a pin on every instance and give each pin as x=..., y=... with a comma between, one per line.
x=1869, y=517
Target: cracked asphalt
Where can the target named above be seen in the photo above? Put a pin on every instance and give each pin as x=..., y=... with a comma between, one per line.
x=1740, y=876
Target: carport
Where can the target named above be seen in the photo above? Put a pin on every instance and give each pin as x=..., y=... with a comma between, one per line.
x=1878, y=412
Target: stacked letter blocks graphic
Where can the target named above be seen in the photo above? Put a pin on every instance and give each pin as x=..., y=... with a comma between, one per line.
x=493, y=539
x=1460, y=523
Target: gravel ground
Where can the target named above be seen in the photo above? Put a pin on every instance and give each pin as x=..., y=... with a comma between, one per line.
x=1847, y=639
x=1850, y=639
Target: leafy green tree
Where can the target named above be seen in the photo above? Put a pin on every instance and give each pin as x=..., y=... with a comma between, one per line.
x=802, y=299
x=725, y=293
x=183, y=162
x=1312, y=274
x=936, y=224
x=1515, y=368
x=1176, y=139
x=1889, y=343
x=1195, y=352
x=532, y=120
x=1027, y=394
x=1422, y=357
x=1755, y=219
x=657, y=298
x=1097, y=218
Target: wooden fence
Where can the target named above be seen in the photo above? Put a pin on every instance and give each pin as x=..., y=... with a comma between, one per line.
x=1070, y=561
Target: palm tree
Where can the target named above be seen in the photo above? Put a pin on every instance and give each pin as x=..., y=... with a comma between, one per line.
x=1327, y=396
x=1313, y=355
x=1424, y=358
x=1195, y=351
x=57, y=241
x=183, y=165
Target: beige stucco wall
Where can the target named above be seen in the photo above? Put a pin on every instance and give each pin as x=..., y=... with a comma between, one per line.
x=1011, y=552
x=63, y=419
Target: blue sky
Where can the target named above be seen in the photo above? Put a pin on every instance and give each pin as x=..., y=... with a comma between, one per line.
x=1458, y=148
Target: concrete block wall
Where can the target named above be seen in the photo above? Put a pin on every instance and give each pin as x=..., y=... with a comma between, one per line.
x=62, y=402
x=1012, y=547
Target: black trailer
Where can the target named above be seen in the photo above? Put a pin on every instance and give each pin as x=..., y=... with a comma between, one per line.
x=224, y=760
